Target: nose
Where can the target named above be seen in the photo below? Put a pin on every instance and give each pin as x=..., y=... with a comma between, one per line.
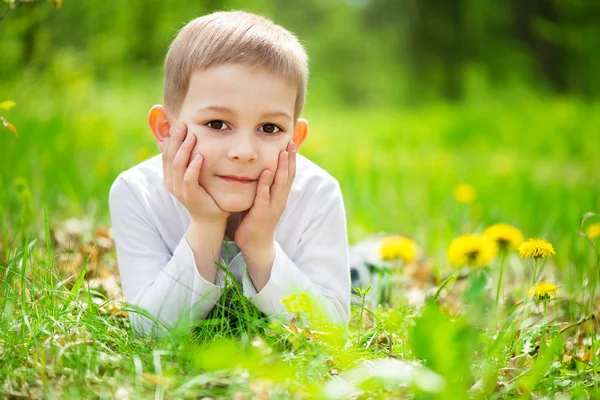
x=243, y=148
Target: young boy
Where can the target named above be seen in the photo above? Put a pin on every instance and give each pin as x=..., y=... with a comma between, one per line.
x=229, y=132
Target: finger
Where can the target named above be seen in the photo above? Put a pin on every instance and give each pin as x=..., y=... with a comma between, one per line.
x=164, y=159
x=293, y=150
x=263, y=192
x=282, y=169
x=177, y=135
x=280, y=186
x=181, y=162
x=191, y=176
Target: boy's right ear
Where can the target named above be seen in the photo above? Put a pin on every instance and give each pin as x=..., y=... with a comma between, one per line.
x=160, y=125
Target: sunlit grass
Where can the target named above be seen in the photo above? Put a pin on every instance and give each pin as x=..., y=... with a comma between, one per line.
x=534, y=166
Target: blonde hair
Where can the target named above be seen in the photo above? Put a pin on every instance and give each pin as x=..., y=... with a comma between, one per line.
x=233, y=37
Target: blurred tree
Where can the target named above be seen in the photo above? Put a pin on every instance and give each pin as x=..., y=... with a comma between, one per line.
x=363, y=52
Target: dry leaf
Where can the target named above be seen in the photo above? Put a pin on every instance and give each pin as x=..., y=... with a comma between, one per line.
x=261, y=388
x=293, y=326
x=155, y=379
x=240, y=396
x=110, y=282
x=9, y=126
x=421, y=272
x=114, y=308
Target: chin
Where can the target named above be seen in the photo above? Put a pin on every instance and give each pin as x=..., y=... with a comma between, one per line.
x=234, y=203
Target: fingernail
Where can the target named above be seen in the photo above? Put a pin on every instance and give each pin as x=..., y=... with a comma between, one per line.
x=181, y=127
x=293, y=147
x=188, y=138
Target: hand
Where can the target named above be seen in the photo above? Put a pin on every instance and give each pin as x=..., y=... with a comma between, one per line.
x=181, y=177
x=257, y=229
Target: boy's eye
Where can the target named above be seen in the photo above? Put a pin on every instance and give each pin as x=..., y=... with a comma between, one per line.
x=270, y=128
x=217, y=124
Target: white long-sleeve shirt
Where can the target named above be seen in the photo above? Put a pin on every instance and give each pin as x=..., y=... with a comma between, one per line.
x=157, y=265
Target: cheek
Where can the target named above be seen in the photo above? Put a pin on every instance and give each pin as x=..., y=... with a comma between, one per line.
x=206, y=149
x=272, y=156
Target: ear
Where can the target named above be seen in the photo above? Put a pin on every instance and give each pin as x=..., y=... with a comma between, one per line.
x=160, y=125
x=300, y=132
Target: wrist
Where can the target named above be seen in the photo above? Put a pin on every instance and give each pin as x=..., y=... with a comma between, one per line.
x=258, y=256
x=201, y=227
x=208, y=222
x=263, y=240
x=259, y=263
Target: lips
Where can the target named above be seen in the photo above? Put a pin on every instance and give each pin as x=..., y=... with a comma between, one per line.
x=236, y=179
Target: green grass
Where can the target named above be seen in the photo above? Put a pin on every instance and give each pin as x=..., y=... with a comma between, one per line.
x=533, y=162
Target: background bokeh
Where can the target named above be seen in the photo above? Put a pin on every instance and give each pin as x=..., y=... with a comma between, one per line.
x=406, y=100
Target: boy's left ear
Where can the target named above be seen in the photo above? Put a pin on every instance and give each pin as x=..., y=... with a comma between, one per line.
x=300, y=132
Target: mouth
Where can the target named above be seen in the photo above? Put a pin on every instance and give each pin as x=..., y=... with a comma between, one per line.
x=236, y=179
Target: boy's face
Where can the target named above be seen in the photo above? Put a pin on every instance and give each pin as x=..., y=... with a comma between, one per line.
x=242, y=118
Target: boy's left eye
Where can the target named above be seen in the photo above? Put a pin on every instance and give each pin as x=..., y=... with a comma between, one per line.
x=217, y=125
x=270, y=128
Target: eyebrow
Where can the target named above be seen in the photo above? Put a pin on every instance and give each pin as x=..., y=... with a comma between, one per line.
x=229, y=111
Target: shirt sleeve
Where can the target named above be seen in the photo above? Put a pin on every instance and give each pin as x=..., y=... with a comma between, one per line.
x=167, y=285
x=320, y=266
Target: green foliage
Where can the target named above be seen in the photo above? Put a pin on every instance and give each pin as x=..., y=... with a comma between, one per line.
x=447, y=346
x=386, y=51
x=84, y=77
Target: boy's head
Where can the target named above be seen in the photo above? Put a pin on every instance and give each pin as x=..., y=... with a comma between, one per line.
x=234, y=37
x=238, y=82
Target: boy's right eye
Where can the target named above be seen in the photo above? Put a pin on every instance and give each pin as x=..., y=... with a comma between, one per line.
x=217, y=125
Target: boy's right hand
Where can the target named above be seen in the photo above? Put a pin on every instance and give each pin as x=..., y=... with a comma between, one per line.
x=181, y=177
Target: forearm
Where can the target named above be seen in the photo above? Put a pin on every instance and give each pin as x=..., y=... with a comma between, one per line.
x=259, y=261
x=330, y=289
x=205, y=240
x=177, y=293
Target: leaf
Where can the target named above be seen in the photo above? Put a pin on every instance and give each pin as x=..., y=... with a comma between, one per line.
x=548, y=354
x=9, y=126
x=444, y=283
x=586, y=216
x=76, y=287
x=7, y=105
x=57, y=3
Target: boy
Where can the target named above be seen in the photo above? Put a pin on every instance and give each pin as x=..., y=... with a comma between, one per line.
x=229, y=132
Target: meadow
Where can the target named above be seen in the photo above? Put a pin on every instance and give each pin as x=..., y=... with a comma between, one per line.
x=529, y=160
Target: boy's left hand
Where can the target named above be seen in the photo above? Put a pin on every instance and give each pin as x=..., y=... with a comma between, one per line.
x=256, y=233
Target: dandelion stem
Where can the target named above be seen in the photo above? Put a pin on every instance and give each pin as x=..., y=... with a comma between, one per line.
x=360, y=319
x=533, y=278
x=545, y=318
x=500, y=280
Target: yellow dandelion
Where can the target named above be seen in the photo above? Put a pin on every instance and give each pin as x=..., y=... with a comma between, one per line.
x=543, y=291
x=593, y=231
x=302, y=304
x=473, y=250
x=536, y=248
x=398, y=248
x=298, y=303
x=464, y=193
x=504, y=235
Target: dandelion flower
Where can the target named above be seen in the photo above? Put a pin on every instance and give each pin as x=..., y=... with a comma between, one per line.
x=504, y=235
x=536, y=248
x=464, y=193
x=543, y=290
x=398, y=248
x=472, y=250
x=302, y=304
x=298, y=303
x=593, y=231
